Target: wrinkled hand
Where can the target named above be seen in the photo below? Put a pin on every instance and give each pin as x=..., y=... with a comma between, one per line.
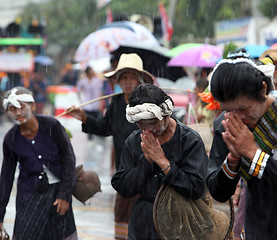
x=62, y=206
x=151, y=148
x=238, y=138
x=77, y=113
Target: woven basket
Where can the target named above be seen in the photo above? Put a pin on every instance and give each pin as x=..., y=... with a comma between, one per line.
x=176, y=217
x=205, y=133
x=87, y=185
x=203, y=129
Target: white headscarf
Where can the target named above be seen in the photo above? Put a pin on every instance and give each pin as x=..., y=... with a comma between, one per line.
x=267, y=70
x=148, y=111
x=14, y=99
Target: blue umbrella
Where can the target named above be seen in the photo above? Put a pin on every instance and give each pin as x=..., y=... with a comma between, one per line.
x=255, y=51
x=44, y=60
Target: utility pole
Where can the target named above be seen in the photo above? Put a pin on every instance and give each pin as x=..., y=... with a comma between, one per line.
x=171, y=13
x=256, y=14
x=171, y=10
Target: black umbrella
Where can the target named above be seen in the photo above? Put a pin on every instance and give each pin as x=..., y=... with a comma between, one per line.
x=154, y=60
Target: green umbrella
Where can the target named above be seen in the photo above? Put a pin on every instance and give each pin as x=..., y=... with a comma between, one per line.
x=173, y=52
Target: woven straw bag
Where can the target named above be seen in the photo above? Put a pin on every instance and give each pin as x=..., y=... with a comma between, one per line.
x=87, y=185
x=203, y=129
x=176, y=217
x=88, y=182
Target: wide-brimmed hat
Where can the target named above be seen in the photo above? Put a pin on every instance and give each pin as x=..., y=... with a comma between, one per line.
x=131, y=61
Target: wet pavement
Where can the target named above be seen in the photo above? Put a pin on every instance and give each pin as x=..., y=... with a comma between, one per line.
x=95, y=219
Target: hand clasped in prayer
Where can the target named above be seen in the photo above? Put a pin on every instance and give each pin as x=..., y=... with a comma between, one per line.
x=151, y=147
x=238, y=138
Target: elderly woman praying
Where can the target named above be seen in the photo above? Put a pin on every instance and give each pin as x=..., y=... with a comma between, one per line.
x=245, y=142
x=163, y=150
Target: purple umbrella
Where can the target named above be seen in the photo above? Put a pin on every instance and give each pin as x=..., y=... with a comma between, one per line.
x=203, y=56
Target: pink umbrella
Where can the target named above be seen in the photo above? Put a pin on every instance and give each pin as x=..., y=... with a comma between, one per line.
x=205, y=55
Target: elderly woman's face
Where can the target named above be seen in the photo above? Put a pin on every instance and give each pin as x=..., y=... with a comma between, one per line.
x=128, y=81
x=20, y=115
x=154, y=125
x=249, y=110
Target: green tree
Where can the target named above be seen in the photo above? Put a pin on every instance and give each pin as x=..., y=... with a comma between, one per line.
x=68, y=21
x=268, y=8
x=197, y=17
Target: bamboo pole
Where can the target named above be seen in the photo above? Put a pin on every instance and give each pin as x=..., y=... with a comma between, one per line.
x=114, y=94
x=88, y=102
x=178, y=90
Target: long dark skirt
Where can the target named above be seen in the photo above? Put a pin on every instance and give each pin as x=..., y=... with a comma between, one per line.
x=37, y=218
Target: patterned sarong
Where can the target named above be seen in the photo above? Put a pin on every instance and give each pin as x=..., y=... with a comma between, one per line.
x=37, y=218
x=265, y=134
x=122, y=214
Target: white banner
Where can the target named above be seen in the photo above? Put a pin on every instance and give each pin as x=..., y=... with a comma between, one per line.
x=16, y=62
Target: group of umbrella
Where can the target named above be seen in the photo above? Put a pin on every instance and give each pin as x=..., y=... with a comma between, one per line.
x=128, y=37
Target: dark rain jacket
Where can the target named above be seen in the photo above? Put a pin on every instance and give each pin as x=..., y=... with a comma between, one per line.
x=188, y=160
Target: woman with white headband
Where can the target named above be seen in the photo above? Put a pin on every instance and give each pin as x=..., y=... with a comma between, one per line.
x=41, y=147
x=245, y=142
x=164, y=150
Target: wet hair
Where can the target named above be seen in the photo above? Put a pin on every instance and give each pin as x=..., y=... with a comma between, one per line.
x=230, y=80
x=88, y=68
x=20, y=90
x=148, y=93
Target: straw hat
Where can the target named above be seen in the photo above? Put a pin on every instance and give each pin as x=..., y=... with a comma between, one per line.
x=131, y=61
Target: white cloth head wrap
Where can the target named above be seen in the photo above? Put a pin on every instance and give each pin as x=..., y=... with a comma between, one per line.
x=148, y=111
x=267, y=70
x=14, y=98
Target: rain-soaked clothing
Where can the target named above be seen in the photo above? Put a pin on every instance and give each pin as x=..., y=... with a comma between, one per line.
x=51, y=149
x=261, y=194
x=115, y=124
x=37, y=218
x=188, y=161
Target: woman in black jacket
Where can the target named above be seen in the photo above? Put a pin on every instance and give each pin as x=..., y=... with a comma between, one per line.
x=245, y=142
x=129, y=74
x=163, y=151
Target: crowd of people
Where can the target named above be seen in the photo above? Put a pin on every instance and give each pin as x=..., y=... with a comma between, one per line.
x=151, y=149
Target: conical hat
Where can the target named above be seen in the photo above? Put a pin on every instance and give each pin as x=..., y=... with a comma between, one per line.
x=176, y=217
